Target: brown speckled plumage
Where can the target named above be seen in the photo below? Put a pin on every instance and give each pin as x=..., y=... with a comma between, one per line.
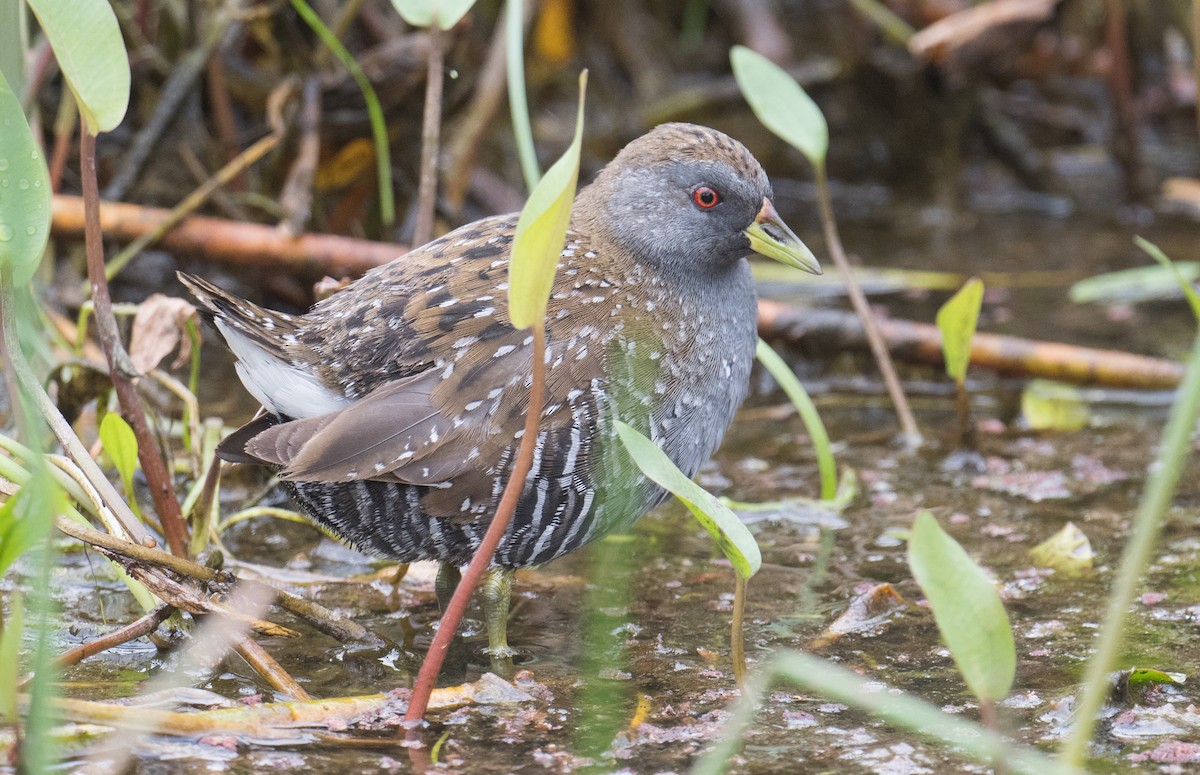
x=408, y=389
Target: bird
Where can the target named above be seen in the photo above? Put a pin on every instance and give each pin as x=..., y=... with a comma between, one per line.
x=393, y=409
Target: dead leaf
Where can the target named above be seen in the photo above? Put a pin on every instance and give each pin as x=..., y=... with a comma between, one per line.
x=867, y=613
x=157, y=329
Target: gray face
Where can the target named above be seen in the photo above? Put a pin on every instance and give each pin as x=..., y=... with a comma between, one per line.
x=686, y=214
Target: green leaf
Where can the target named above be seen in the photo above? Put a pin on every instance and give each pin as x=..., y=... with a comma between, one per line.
x=25, y=517
x=24, y=193
x=1185, y=284
x=957, y=320
x=11, y=630
x=726, y=529
x=1053, y=406
x=781, y=104
x=808, y=414
x=541, y=229
x=91, y=53
x=1141, y=283
x=1068, y=551
x=423, y=13
x=120, y=442
x=1141, y=676
x=967, y=608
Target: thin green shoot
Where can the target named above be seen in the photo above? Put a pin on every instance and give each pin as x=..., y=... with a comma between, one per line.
x=518, y=101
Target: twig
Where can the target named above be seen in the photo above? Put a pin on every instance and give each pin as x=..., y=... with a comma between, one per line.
x=463, y=147
x=908, y=425
x=323, y=619
x=482, y=559
x=183, y=77
x=229, y=242
x=191, y=203
x=132, y=631
x=431, y=128
x=265, y=665
x=296, y=197
x=1127, y=149
x=121, y=371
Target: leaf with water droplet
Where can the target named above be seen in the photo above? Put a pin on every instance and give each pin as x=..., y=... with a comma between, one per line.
x=20, y=248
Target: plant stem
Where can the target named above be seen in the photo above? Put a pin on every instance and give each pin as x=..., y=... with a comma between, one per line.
x=808, y=415
x=908, y=425
x=1164, y=478
x=432, y=665
x=162, y=489
x=518, y=103
x=737, y=638
x=430, y=137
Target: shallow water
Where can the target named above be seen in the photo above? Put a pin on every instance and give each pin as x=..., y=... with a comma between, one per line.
x=646, y=616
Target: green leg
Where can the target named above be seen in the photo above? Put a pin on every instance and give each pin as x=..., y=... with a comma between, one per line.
x=494, y=594
x=447, y=580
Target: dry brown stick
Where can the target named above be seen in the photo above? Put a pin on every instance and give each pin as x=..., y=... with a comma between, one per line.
x=1010, y=355
x=908, y=424
x=121, y=371
x=431, y=129
x=183, y=77
x=192, y=202
x=265, y=665
x=296, y=196
x=321, y=618
x=229, y=242
x=1127, y=148
x=132, y=631
x=490, y=91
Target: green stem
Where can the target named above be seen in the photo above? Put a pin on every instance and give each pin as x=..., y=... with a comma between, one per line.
x=518, y=103
x=808, y=414
x=1156, y=499
x=383, y=158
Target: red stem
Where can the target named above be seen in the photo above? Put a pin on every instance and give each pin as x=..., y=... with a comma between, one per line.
x=432, y=665
x=162, y=490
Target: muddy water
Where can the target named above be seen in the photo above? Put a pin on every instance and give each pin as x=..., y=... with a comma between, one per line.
x=625, y=643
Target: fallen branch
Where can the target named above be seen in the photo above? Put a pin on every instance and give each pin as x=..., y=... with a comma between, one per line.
x=228, y=242
x=280, y=719
x=321, y=618
x=921, y=342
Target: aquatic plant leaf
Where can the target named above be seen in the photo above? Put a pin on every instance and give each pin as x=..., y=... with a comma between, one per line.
x=25, y=518
x=957, y=320
x=733, y=538
x=1053, y=406
x=807, y=410
x=1141, y=676
x=425, y=13
x=967, y=609
x=1189, y=291
x=120, y=443
x=781, y=104
x=24, y=193
x=11, y=629
x=89, y=48
x=1068, y=551
x=1140, y=283
x=541, y=229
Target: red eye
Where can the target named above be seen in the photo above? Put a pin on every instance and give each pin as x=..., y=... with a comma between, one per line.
x=705, y=197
